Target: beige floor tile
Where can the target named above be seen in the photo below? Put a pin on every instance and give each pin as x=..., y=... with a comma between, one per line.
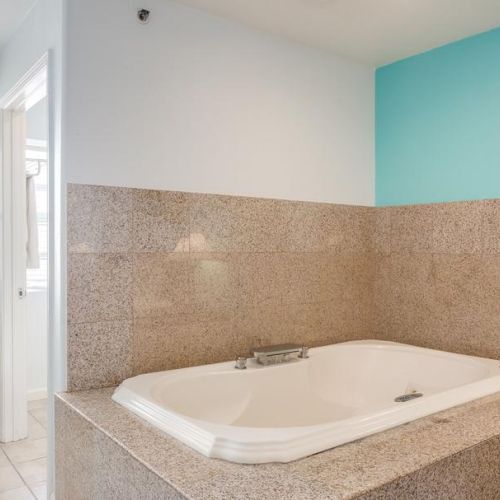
x=40, y=490
x=37, y=403
x=3, y=459
x=34, y=471
x=17, y=494
x=40, y=414
x=9, y=478
x=35, y=429
x=26, y=450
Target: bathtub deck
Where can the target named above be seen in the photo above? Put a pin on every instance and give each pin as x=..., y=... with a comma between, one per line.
x=103, y=451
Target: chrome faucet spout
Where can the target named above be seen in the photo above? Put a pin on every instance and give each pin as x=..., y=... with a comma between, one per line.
x=282, y=353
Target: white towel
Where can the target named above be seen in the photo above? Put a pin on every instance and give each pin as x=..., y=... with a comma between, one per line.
x=32, y=255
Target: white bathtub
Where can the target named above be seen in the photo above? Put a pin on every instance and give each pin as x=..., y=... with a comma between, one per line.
x=280, y=413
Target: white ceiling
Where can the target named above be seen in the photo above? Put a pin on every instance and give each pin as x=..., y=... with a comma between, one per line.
x=12, y=13
x=372, y=31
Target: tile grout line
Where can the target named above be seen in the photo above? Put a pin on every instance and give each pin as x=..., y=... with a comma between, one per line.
x=133, y=283
x=20, y=476
x=27, y=461
x=38, y=421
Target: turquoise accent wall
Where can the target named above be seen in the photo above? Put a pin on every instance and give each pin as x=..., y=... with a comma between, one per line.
x=438, y=124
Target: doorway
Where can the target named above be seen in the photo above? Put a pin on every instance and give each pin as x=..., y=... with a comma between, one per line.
x=24, y=295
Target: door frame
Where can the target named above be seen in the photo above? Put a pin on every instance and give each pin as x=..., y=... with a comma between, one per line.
x=13, y=402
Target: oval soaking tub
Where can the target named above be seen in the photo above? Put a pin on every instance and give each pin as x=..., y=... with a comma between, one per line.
x=283, y=412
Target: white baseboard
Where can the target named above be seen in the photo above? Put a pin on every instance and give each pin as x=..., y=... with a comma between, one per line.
x=35, y=394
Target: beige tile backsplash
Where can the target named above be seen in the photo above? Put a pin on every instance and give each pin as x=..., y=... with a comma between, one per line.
x=439, y=284
x=160, y=280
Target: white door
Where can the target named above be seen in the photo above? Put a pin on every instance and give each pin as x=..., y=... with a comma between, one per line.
x=13, y=399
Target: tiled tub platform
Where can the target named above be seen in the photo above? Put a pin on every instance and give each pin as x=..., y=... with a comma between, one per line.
x=103, y=452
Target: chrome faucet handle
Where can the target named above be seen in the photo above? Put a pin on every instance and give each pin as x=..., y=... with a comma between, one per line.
x=241, y=363
x=304, y=352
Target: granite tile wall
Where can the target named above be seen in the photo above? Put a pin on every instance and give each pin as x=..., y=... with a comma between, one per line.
x=438, y=276
x=160, y=280
x=91, y=466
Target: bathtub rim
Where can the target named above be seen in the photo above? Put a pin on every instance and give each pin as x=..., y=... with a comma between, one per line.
x=287, y=444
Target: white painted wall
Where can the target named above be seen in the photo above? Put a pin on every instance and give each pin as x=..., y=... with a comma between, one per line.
x=38, y=32
x=37, y=121
x=198, y=103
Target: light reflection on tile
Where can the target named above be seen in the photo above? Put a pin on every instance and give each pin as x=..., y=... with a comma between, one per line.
x=161, y=284
x=160, y=221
